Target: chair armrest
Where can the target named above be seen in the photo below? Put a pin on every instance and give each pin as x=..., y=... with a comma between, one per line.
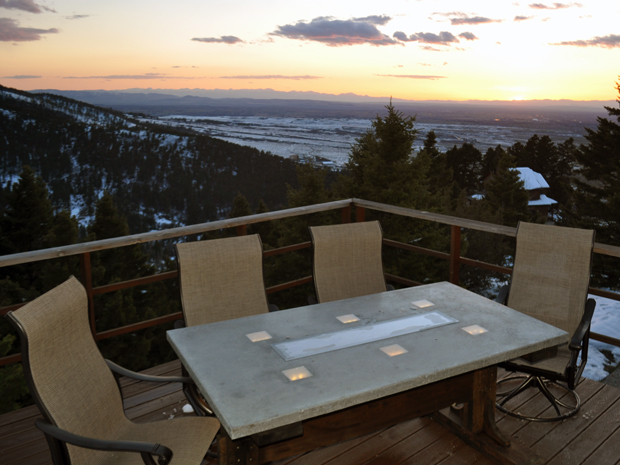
x=576, y=341
x=312, y=300
x=146, y=449
x=502, y=296
x=142, y=377
x=389, y=287
x=178, y=324
x=273, y=308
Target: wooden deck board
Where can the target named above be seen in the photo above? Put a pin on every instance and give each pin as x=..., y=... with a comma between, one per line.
x=591, y=412
x=592, y=437
x=374, y=445
x=437, y=451
x=609, y=452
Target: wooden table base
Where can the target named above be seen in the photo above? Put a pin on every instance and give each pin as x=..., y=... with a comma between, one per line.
x=476, y=390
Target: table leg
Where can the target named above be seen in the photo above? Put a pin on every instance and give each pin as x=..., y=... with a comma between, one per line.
x=239, y=451
x=478, y=416
x=479, y=413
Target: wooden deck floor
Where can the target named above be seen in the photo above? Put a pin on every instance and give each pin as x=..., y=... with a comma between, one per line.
x=592, y=437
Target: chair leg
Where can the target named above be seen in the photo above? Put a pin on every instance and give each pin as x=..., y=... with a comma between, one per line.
x=543, y=386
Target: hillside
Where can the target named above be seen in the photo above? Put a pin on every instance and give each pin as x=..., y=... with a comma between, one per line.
x=158, y=175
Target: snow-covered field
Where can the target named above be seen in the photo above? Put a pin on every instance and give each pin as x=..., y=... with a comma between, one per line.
x=331, y=138
x=606, y=321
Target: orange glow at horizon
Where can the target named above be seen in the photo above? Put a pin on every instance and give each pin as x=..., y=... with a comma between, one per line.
x=409, y=50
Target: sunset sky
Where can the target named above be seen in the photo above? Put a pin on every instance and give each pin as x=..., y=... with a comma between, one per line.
x=409, y=49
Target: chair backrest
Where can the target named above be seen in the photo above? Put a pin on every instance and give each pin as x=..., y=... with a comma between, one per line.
x=66, y=373
x=551, y=273
x=221, y=279
x=347, y=260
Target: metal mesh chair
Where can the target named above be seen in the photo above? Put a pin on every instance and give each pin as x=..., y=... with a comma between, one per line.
x=550, y=281
x=347, y=260
x=220, y=279
x=76, y=391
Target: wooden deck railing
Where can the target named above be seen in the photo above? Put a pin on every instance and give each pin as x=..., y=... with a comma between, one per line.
x=240, y=224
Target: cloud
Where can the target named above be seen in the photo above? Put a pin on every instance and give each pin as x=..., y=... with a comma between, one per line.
x=132, y=76
x=443, y=38
x=77, y=17
x=401, y=36
x=11, y=32
x=412, y=76
x=272, y=76
x=24, y=5
x=457, y=14
x=468, y=36
x=337, y=33
x=22, y=76
x=473, y=20
x=381, y=20
x=555, y=6
x=610, y=41
x=523, y=18
x=428, y=48
x=221, y=40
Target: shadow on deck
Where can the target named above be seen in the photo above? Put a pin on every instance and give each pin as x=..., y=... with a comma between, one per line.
x=592, y=437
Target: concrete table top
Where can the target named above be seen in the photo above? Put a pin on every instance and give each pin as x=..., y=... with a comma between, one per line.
x=243, y=380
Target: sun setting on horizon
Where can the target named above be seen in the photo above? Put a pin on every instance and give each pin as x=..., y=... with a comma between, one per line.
x=408, y=49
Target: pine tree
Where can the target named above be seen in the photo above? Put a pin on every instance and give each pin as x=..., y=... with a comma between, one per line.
x=490, y=161
x=240, y=207
x=63, y=231
x=13, y=389
x=440, y=176
x=505, y=193
x=117, y=309
x=28, y=214
x=553, y=162
x=466, y=164
x=264, y=229
x=288, y=267
x=482, y=246
x=597, y=198
x=383, y=167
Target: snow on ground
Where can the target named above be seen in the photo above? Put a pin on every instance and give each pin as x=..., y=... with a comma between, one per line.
x=15, y=95
x=606, y=320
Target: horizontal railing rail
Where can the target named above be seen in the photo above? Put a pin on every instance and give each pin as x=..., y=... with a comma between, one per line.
x=240, y=224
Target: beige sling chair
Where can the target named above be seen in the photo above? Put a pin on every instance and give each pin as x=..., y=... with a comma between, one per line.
x=220, y=279
x=79, y=398
x=550, y=281
x=347, y=261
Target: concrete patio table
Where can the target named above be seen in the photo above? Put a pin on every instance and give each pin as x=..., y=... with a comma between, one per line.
x=359, y=389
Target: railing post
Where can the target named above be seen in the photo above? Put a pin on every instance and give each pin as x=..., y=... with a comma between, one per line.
x=346, y=214
x=242, y=230
x=455, y=254
x=360, y=214
x=87, y=281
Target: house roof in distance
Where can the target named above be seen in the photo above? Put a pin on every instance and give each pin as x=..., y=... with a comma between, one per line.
x=543, y=200
x=532, y=179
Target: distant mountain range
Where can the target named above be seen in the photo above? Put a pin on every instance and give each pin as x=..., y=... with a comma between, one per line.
x=270, y=94
x=268, y=102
